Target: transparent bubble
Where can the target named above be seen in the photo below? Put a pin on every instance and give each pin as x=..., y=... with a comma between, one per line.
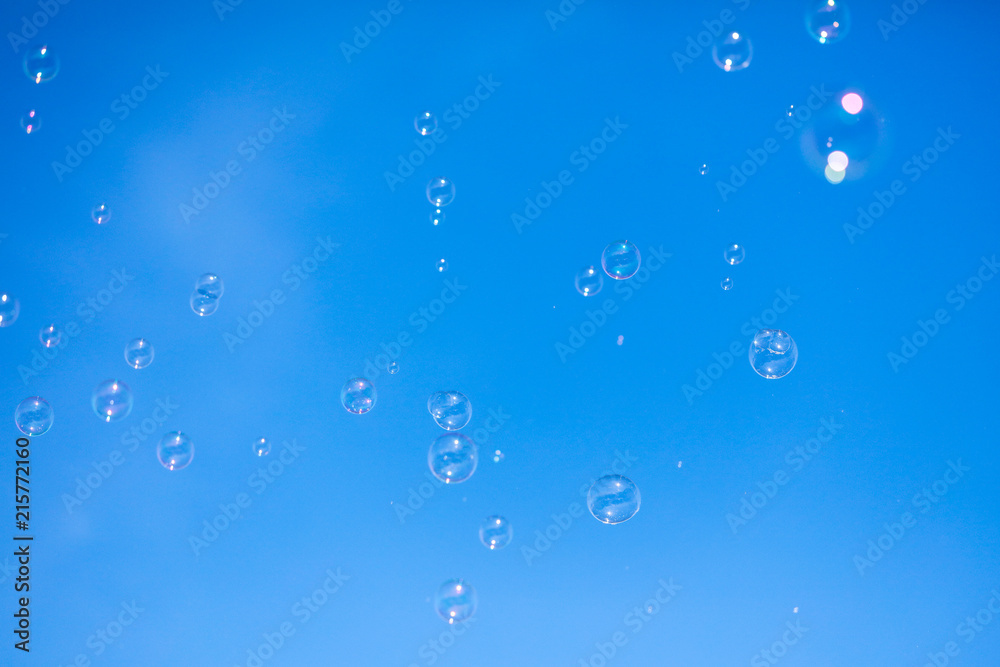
x=452, y=458
x=139, y=353
x=734, y=254
x=358, y=396
x=495, y=532
x=41, y=64
x=100, y=213
x=441, y=265
x=50, y=336
x=425, y=123
x=31, y=122
x=175, y=451
x=733, y=52
x=10, y=308
x=828, y=21
x=393, y=368
x=498, y=456
x=261, y=447
x=440, y=192
x=437, y=217
x=703, y=169
x=613, y=499
x=112, y=400
x=210, y=284
x=34, y=416
x=620, y=260
x=203, y=305
x=450, y=409
x=589, y=281
x=773, y=353
x=456, y=601
x=727, y=284
x=851, y=128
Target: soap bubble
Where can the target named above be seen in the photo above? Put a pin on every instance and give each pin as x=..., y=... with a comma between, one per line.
x=31, y=122
x=34, y=416
x=210, y=284
x=589, y=281
x=40, y=64
x=175, y=451
x=613, y=499
x=50, y=336
x=620, y=260
x=261, y=447
x=437, y=217
x=100, y=214
x=456, y=601
x=393, y=368
x=112, y=400
x=498, y=456
x=450, y=409
x=733, y=52
x=440, y=192
x=441, y=265
x=425, y=123
x=734, y=254
x=828, y=21
x=358, y=396
x=703, y=170
x=452, y=458
x=773, y=353
x=203, y=305
x=139, y=353
x=10, y=308
x=727, y=284
x=495, y=532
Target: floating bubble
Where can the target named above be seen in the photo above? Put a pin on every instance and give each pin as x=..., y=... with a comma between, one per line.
x=175, y=451
x=34, y=416
x=495, y=532
x=112, y=400
x=40, y=64
x=849, y=125
x=828, y=21
x=437, y=217
x=620, y=260
x=31, y=122
x=733, y=52
x=139, y=353
x=613, y=499
x=261, y=447
x=852, y=103
x=441, y=265
x=425, y=123
x=727, y=284
x=100, y=214
x=50, y=336
x=621, y=339
x=203, y=305
x=450, y=409
x=734, y=254
x=456, y=601
x=773, y=353
x=589, y=281
x=210, y=284
x=498, y=456
x=703, y=169
x=440, y=192
x=452, y=458
x=10, y=308
x=358, y=396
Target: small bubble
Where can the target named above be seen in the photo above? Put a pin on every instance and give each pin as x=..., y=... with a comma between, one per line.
x=452, y=458
x=589, y=281
x=41, y=64
x=680, y=463
x=31, y=122
x=34, y=416
x=456, y=601
x=495, y=532
x=791, y=110
x=734, y=254
x=620, y=260
x=498, y=456
x=100, y=214
x=733, y=52
x=261, y=447
x=440, y=192
x=621, y=339
x=425, y=123
x=139, y=353
x=203, y=305
x=112, y=400
x=441, y=265
x=451, y=410
x=795, y=611
x=437, y=217
x=828, y=21
x=10, y=308
x=393, y=368
x=175, y=451
x=358, y=396
x=703, y=170
x=727, y=284
x=50, y=336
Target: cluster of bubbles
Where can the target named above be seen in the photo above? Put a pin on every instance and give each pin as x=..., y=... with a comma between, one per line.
x=451, y=410
x=619, y=261
x=207, y=292
x=732, y=255
x=440, y=190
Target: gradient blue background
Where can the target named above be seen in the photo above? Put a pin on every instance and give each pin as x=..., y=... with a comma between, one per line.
x=323, y=176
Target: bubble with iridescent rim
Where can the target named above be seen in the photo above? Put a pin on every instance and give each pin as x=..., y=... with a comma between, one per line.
x=31, y=122
x=139, y=353
x=456, y=601
x=50, y=336
x=620, y=259
x=589, y=281
x=358, y=396
x=34, y=416
x=100, y=214
x=734, y=254
x=112, y=400
x=727, y=284
x=828, y=21
x=41, y=64
x=261, y=447
x=451, y=410
x=733, y=52
x=773, y=353
x=175, y=451
x=452, y=458
x=10, y=308
x=425, y=123
x=495, y=532
x=393, y=368
x=440, y=192
x=613, y=499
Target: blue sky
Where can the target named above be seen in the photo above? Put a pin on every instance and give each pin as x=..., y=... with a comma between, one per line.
x=250, y=142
